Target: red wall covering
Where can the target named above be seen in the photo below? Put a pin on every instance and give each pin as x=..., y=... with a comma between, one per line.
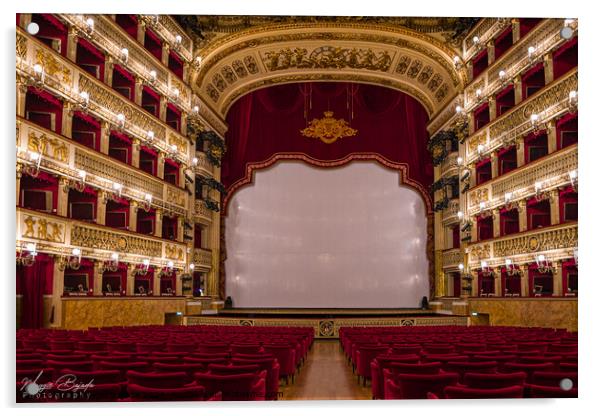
x=268, y=121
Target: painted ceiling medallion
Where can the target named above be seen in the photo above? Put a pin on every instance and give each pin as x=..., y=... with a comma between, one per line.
x=328, y=129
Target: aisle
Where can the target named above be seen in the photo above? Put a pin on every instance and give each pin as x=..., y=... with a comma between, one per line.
x=325, y=376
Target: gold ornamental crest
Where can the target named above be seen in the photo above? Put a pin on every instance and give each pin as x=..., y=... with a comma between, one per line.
x=328, y=129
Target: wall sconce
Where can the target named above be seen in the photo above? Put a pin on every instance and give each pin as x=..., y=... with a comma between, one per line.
x=461, y=267
x=457, y=62
x=573, y=101
x=197, y=63
x=460, y=215
x=459, y=160
x=33, y=28
x=124, y=56
x=535, y=123
x=512, y=269
x=38, y=77
x=111, y=265
x=33, y=168
x=503, y=76
x=117, y=188
x=89, y=26
x=480, y=150
x=485, y=269
x=531, y=53
x=153, y=77
x=148, y=199
x=465, y=175
x=84, y=101
x=167, y=270
x=195, y=110
x=538, y=186
x=476, y=41
x=142, y=269
x=26, y=255
x=573, y=179
x=73, y=261
x=177, y=42
x=478, y=94
x=543, y=265
x=173, y=149
x=175, y=94
x=78, y=185
x=150, y=135
x=508, y=203
x=191, y=267
x=120, y=121
x=195, y=161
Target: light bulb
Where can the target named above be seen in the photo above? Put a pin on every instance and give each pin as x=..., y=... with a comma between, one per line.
x=508, y=262
x=90, y=23
x=178, y=39
x=121, y=117
x=480, y=148
x=31, y=247
x=195, y=161
x=573, y=174
x=37, y=68
x=531, y=50
x=458, y=109
x=146, y=262
x=478, y=92
x=150, y=135
x=170, y=264
x=502, y=74
x=76, y=251
x=117, y=186
x=541, y=257
x=573, y=94
x=195, y=109
x=191, y=266
x=538, y=185
x=461, y=266
x=483, y=264
x=460, y=214
x=153, y=74
x=459, y=160
x=34, y=156
x=475, y=40
x=114, y=256
x=82, y=174
x=508, y=196
x=534, y=117
x=148, y=197
x=482, y=205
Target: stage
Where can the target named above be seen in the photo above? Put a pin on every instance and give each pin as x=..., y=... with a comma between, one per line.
x=325, y=321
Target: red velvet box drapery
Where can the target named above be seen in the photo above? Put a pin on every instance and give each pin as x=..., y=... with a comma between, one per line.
x=33, y=282
x=268, y=121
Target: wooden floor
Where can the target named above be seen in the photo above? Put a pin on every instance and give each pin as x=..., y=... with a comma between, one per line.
x=325, y=376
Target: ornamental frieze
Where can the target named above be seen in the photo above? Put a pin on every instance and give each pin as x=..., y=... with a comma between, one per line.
x=42, y=229
x=451, y=258
x=174, y=252
x=479, y=252
x=103, y=97
x=113, y=241
x=21, y=46
x=517, y=119
x=50, y=147
x=558, y=238
x=53, y=66
x=478, y=196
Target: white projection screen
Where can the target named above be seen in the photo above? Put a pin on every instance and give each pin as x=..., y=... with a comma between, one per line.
x=346, y=237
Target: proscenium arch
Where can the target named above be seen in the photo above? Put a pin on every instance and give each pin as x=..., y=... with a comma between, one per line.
x=399, y=58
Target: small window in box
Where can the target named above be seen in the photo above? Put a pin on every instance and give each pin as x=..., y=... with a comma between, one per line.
x=485, y=228
x=111, y=284
x=90, y=59
x=479, y=63
x=483, y=170
x=86, y=130
x=536, y=147
x=38, y=200
x=507, y=160
x=39, y=193
x=123, y=82
x=176, y=64
x=538, y=214
x=173, y=117
x=117, y=214
x=509, y=223
x=148, y=160
x=481, y=116
x=152, y=43
x=42, y=119
x=568, y=200
x=129, y=23
x=565, y=58
x=533, y=80
x=142, y=287
x=170, y=228
x=52, y=32
x=542, y=284
x=171, y=172
x=505, y=100
x=486, y=285
x=76, y=284
x=503, y=42
x=567, y=131
x=145, y=222
x=120, y=147
x=150, y=101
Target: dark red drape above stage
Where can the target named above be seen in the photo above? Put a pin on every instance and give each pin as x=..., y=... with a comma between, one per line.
x=265, y=122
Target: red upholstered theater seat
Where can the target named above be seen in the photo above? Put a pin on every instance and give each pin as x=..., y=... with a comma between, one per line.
x=554, y=378
x=234, y=369
x=272, y=368
x=512, y=367
x=462, y=367
x=158, y=380
x=43, y=375
x=234, y=387
x=416, y=386
x=208, y=348
x=438, y=348
x=286, y=358
x=28, y=364
x=181, y=347
x=69, y=365
x=188, y=368
x=551, y=392
x=123, y=368
x=148, y=394
x=245, y=348
x=494, y=381
x=95, y=377
x=457, y=392
x=365, y=356
x=150, y=346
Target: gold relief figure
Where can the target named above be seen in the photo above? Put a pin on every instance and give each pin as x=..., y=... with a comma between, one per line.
x=384, y=61
x=57, y=232
x=353, y=58
x=38, y=144
x=42, y=229
x=29, y=223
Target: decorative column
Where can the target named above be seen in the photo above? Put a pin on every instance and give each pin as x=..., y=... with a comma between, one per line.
x=515, y=30
x=101, y=208
x=181, y=177
x=471, y=125
x=186, y=73
x=156, y=282
x=161, y=165
x=21, y=98
x=551, y=132
x=490, y=52
x=496, y=222
x=473, y=175
x=72, y=40
x=165, y=54
x=129, y=288
x=105, y=132
x=518, y=90
x=18, y=174
x=98, y=271
x=178, y=284
x=548, y=68
x=557, y=276
x=474, y=230
x=520, y=151
x=524, y=280
x=554, y=207
x=67, y=120
x=522, y=215
x=141, y=31
x=492, y=109
x=183, y=123
x=475, y=284
x=180, y=230
x=109, y=64
x=163, y=108
x=133, y=216
x=469, y=70
x=138, y=90
x=136, y=153
x=63, y=197
x=494, y=164
x=497, y=280
x=58, y=287
x=158, y=222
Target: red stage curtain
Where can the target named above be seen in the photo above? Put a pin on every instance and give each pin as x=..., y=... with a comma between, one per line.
x=268, y=121
x=33, y=282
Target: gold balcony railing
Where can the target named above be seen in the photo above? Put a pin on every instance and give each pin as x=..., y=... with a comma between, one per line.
x=200, y=210
x=545, y=37
x=451, y=258
x=450, y=214
x=66, y=80
x=203, y=257
x=65, y=157
x=557, y=242
x=110, y=38
x=167, y=29
x=450, y=164
x=204, y=165
x=485, y=30
x=549, y=103
x=552, y=171
x=58, y=235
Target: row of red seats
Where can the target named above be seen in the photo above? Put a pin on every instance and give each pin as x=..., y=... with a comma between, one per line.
x=404, y=363
x=190, y=362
